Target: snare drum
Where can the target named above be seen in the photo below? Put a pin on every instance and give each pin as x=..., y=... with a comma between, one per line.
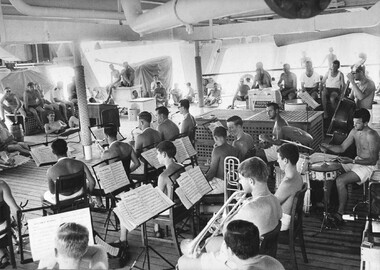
x=321, y=176
x=295, y=105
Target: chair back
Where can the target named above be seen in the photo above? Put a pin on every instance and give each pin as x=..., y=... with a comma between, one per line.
x=110, y=116
x=6, y=233
x=296, y=220
x=374, y=201
x=68, y=184
x=269, y=242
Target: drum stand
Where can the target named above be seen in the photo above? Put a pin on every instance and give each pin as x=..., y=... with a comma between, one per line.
x=326, y=215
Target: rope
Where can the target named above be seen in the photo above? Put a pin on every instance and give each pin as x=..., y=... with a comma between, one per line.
x=82, y=105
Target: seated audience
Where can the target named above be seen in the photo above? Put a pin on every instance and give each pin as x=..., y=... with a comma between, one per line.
x=240, y=250
x=221, y=150
x=7, y=197
x=54, y=126
x=9, y=144
x=71, y=249
x=241, y=93
x=160, y=95
x=168, y=130
x=288, y=83
x=310, y=80
x=243, y=141
x=190, y=95
x=149, y=136
x=153, y=85
x=65, y=166
x=57, y=96
x=214, y=95
x=291, y=183
x=176, y=94
x=127, y=75
x=11, y=104
x=262, y=78
x=33, y=103
x=188, y=124
x=74, y=122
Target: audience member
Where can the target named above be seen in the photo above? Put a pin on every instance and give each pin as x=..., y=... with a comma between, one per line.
x=153, y=85
x=214, y=95
x=243, y=141
x=54, y=126
x=72, y=91
x=304, y=59
x=9, y=144
x=190, y=95
x=168, y=130
x=11, y=104
x=115, y=74
x=57, y=96
x=241, y=93
x=262, y=77
x=176, y=94
x=127, y=75
x=74, y=122
x=160, y=95
x=310, y=80
x=330, y=57
x=33, y=103
x=288, y=83
x=149, y=136
x=188, y=124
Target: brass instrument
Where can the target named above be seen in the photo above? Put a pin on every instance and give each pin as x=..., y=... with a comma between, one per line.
x=191, y=248
x=231, y=177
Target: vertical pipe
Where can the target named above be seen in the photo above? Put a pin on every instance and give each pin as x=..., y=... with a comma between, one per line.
x=82, y=101
x=198, y=73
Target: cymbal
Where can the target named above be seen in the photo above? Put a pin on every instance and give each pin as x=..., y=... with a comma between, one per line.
x=325, y=166
x=298, y=144
x=297, y=134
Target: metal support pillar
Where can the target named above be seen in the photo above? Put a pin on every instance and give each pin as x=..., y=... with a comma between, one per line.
x=198, y=73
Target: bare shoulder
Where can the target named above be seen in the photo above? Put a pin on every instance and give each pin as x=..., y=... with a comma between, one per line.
x=372, y=134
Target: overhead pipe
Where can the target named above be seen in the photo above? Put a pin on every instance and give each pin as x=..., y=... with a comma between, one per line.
x=49, y=12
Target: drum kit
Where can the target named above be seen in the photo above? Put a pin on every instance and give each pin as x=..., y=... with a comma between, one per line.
x=316, y=168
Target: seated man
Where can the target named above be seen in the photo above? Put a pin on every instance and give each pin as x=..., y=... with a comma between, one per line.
x=53, y=126
x=240, y=250
x=13, y=104
x=65, y=166
x=176, y=94
x=221, y=150
x=243, y=141
x=160, y=95
x=262, y=78
x=291, y=183
x=166, y=127
x=9, y=144
x=360, y=169
x=71, y=249
x=214, y=95
x=74, y=122
x=57, y=96
x=7, y=197
x=188, y=124
x=149, y=135
x=241, y=93
x=288, y=89
x=127, y=75
x=190, y=95
x=33, y=103
x=310, y=80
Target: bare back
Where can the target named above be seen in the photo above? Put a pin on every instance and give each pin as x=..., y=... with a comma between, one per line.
x=367, y=143
x=148, y=137
x=288, y=188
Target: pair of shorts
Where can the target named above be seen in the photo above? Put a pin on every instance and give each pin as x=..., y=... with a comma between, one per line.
x=363, y=171
x=271, y=153
x=285, y=222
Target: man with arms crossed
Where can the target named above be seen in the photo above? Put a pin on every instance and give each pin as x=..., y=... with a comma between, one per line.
x=149, y=135
x=166, y=127
x=243, y=141
x=291, y=183
x=357, y=170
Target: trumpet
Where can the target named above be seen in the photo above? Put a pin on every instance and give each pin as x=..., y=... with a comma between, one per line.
x=191, y=248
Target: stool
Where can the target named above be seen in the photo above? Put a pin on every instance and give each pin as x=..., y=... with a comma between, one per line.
x=375, y=177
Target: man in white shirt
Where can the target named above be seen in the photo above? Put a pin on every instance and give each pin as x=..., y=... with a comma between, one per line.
x=310, y=80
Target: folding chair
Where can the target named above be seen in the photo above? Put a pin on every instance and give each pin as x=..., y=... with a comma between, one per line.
x=100, y=138
x=63, y=135
x=269, y=242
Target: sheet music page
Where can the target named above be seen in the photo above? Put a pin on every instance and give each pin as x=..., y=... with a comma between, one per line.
x=190, y=189
x=113, y=251
x=183, y=198
x=124, y=219
x=155, y=199
x=151, y=157
x=43, y=155
x=19, y=160
x=305, y=96
x=200, y=180
x=43, y=230
x=112, y=176
x=119, y=174
x=181, y=154
x=189, y=147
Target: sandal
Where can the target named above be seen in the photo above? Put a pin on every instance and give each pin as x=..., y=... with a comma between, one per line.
x=4, y=261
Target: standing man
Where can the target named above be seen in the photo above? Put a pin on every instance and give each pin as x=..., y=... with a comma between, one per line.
x=289, y=87
x=115, y=74
x=363, y=90
x=360, y=169
x=262, y=77
x=153, y=85
x=243, y=141
x=149, y=135
x=13, y=104
x=241, y=93
x=188, y=124
x=310, y=80
x=33, y=103
x=168, y=130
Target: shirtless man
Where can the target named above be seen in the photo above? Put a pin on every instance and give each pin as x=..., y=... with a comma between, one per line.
x=357, y=170
x=363, y=91
x=153, y=85
x=188, y=124
x=168, y=130
x=241, y=93
x=53, y=126
x=7, y=197
x=330, y=57
x=160, y=95
x=115, y=74
x=176, y=94
x=65, y=166
x=289, y=87
x=262, y=77
x=310, y=80
x=9, y=144
x=58, y=97
x=270, y=154
x=149, y=136
x=291, y=183
x=13, y=105
x=215, y=175
x=214, y=95
x=166, y=151
x=33, y=103
x=127, y=75
x=243, y=141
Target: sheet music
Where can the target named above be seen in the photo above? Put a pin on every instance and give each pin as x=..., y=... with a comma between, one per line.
x=189, y=147
x=43, y=155
x=213, y=125
x=151, y=156
x=181, y=153
x=141, y=204
x=200, y=180
x=305, y=96
x=183, y=198
x=113, y=251
x=112, y=176
x=190, y=189
x=43, y=230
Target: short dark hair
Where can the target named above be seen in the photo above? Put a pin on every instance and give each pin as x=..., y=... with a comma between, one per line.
x=146, y=116
x=290, y=152
x=360, y=68
x=72, y=240
x=162, y=110
x=59, y=147
x=274, y=105
x=236, y=119
x=255, y=168
x=30, y=84
x=336, y=62
x=188, y=84
x=110, y=130
x=220, y=132
x=363, y=114
x=168, y=147
x=243, y=238
x=184, y=103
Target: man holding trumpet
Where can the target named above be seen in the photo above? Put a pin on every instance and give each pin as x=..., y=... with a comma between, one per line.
x=262, y=209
